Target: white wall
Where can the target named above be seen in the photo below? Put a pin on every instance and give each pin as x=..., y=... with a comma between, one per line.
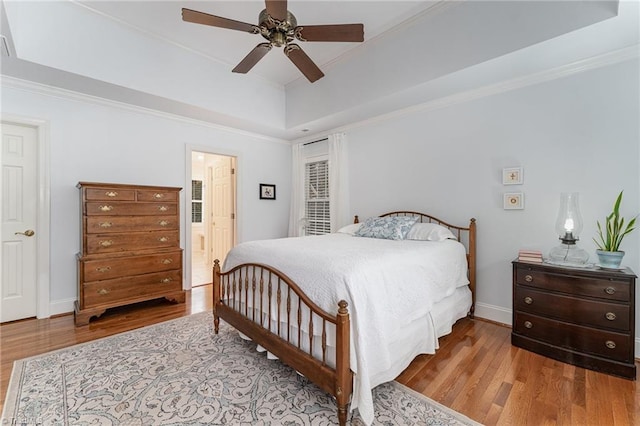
x=578, y=133
x=101, y=142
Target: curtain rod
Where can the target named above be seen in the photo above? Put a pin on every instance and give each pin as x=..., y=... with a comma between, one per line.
x=319, y=140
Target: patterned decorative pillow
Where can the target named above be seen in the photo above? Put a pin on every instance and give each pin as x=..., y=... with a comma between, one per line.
x=388, y=227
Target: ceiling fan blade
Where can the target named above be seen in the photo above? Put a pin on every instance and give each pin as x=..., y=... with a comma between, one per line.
x=303, y=62
x=339, y=32
x=252, y=58
x=196, y=17
x=277, y=9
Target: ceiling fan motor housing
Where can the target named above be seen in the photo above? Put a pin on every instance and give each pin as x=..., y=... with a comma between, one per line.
x=277, y=32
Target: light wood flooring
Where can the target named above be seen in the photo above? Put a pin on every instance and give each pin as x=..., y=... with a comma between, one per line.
x=476, y=371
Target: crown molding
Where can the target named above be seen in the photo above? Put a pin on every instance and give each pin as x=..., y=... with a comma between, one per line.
x=610, y=58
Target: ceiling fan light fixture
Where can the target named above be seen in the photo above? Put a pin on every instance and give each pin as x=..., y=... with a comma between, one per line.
x=279, y=27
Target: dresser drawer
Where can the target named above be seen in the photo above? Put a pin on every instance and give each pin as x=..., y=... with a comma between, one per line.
x=577, y=338
x=112, y=194
x=103, y=269
x=157, y=195
x=604, y=288
x=592, y=313
x=109, y=224
x=136, y=287
x=110, y=243
x=131, y=209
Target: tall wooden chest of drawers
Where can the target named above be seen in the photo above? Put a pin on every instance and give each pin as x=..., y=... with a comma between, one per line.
x=585, y=317
x=130, y=247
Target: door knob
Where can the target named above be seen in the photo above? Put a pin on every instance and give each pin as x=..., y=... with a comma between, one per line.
x=28, y=233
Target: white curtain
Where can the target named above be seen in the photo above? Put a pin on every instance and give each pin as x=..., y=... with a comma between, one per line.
x=296, y=214
x=338, y=181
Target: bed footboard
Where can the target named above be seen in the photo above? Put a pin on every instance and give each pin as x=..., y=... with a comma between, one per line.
x=267, y=306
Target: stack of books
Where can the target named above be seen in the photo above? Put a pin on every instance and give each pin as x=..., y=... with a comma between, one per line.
x=533, y=256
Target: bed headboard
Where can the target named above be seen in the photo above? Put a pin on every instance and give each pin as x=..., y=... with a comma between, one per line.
x=465, y=234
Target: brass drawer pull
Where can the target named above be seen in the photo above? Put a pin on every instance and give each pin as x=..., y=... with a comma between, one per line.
x=610, y=344
x=105, y=224
x=106, y=243
x=163, y=223
x=165, y=280
x=166, y=261
x=610, y=316
x=103, y=291
x=158, y=196
x=610, y=290
x=528, y=300
x=528, y=324
x=106, y=208
x=103, y=269
x=528, y=278
x=163, y=239
x=163, y=208
x=111, y=194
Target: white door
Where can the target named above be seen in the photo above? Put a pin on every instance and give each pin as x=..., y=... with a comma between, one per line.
x=19, y=212
x=222, y=207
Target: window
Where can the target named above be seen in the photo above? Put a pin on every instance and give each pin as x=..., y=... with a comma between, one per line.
x=196, y=201
x=317, y=198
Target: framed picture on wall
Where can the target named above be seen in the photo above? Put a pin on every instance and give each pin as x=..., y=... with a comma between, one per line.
x=267, y=191
x=513, y=201
x=512, y=176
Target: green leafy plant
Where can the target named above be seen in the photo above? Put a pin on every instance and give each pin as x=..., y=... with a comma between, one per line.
x=614, y=231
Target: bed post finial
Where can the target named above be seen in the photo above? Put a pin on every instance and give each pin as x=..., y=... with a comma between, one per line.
x=356, y=219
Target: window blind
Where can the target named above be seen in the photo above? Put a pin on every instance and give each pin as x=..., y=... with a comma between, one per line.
x=317, y=198
x=196, y=201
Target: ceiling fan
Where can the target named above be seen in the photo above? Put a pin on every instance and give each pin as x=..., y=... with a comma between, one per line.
x=280, y=28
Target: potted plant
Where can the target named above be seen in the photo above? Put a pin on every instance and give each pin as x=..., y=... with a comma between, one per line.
x=609, y=239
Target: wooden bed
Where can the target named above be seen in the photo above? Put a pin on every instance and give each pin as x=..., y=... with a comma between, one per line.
x=266, y=288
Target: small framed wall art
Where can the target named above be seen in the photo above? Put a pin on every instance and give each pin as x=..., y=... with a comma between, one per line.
x=512, y=176
x=513, y=201
x=267, y=191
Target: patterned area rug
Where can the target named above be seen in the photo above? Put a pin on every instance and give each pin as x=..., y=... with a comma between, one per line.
x=181, y=373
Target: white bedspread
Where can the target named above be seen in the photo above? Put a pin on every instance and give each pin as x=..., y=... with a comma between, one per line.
x=388, y=284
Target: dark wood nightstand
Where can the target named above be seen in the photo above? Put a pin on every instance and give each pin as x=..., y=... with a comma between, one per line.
x=585, y=317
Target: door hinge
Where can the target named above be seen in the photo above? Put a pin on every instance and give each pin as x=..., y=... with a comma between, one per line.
x=233, y=215
x=233, y=171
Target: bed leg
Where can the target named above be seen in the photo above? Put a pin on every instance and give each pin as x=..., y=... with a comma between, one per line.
x=216, y=295
x=342, y=415
x=344, y=377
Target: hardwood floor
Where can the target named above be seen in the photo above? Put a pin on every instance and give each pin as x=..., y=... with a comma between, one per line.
x=476, y=371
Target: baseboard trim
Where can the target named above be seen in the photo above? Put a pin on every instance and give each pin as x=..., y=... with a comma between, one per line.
x=494, y=313
x=61, y=307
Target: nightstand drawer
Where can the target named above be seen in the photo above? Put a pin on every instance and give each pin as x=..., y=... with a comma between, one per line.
x=577, y=338
x=587, y=312
x=604, y=288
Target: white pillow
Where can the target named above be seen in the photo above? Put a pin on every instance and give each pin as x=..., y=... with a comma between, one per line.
x=429, y=232
x=349, y=229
